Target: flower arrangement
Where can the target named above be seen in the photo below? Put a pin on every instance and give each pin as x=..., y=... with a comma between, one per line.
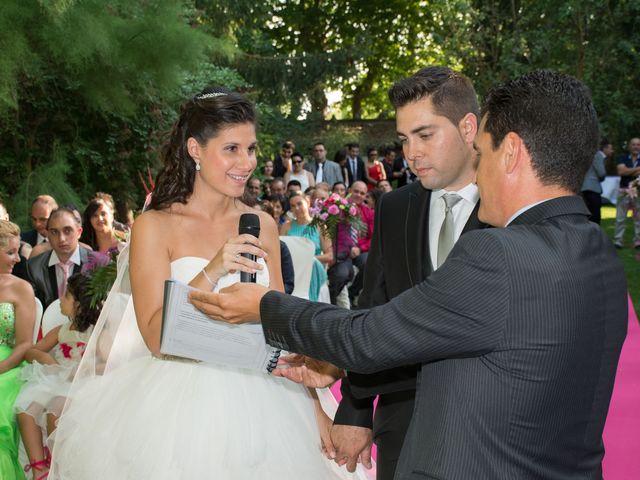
x=335, y=210
x=101, y=268
x=634, y=188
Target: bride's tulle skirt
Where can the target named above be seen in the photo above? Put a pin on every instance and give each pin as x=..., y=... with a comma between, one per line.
x=158, y=419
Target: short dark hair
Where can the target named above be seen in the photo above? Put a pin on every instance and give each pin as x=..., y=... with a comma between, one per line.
x=294, y=183
x=604, y=142
x=555, y=117
x=353, y=145
x=317, y=143
x=65, y=209
x=451, y=93
x=288, y=144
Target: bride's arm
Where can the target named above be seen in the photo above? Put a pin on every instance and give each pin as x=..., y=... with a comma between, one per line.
x=149, y=267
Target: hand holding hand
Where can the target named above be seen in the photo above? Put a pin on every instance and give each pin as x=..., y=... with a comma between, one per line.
x=352, y=445
x=239, y=303
x=310, y=372
x=229, y=258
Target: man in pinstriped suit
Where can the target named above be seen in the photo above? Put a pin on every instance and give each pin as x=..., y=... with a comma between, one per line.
x=520, y=330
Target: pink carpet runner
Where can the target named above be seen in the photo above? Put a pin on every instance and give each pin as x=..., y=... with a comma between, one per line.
x=622, y=430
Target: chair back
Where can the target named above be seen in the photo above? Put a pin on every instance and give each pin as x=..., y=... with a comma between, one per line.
x=302, y=254
x=36, y=326
x=52, y=317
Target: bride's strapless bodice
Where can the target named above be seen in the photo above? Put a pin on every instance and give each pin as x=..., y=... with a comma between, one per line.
x=184, y=269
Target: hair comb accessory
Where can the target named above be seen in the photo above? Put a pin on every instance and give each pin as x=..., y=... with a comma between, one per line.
x=204, y=96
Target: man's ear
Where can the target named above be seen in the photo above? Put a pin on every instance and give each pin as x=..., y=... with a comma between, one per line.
x=468, y=127
x=193, y=147
x=515, y=151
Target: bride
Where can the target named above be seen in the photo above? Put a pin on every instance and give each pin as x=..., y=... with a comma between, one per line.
x=151, y=417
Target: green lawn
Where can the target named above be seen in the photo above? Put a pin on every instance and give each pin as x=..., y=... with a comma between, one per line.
x=630, y=256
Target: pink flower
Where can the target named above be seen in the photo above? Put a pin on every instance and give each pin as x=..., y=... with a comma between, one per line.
x=353, y=211
x=335, y=197
x=333, y=210
x=324, y=216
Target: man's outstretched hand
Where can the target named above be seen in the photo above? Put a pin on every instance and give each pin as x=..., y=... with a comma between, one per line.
x=239, y=303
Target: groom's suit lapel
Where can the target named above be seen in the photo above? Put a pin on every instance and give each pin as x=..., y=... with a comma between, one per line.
x=417, y=234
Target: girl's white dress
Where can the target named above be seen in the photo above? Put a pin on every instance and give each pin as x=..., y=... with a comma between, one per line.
x=46, y=386
x=170, y=420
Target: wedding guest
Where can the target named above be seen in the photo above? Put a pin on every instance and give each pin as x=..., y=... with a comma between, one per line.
x=97, y=227
x=323, y=170
x=299, y=227
x=254, y=187
x=279, y=207
x=340, y=188
x=591, y=189
x=41, y=209
x=17, y=319
x=282, y=162
x=355, y=166
x=53, y=362
x=267, y=170
x=360, y=251
x=389, y=157
x=628, y=167
x=286, y=261
x=293, y=186
x=373, y=197
x=374, y=169
x=321, y=192
x=48, y=272
x=304, y=177
x=278, y=187
x=384, y=186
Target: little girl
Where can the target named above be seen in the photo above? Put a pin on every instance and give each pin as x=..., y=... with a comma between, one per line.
x=54, y=360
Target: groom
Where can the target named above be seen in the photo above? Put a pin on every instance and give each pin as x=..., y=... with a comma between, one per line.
x=518, y=333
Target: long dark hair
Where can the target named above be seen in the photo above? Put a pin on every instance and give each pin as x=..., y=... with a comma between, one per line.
x=86, y=315
x=202, y=118
x=88, y=235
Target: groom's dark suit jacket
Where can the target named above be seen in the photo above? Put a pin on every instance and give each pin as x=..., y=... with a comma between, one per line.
x=398, y=260
x=519, y=335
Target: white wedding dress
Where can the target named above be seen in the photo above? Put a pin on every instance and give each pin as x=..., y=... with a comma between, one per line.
x=171, y=420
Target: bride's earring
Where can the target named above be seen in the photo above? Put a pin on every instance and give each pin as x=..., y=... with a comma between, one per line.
x=197, y=166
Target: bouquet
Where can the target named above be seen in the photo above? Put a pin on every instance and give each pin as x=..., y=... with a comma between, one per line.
x=101, y=268
x=634, y=188
x=335, y=210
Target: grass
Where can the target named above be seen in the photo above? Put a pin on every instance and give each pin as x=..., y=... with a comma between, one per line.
x=630, y=256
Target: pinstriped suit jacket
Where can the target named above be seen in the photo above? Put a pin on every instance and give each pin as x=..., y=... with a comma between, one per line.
x=519, y=335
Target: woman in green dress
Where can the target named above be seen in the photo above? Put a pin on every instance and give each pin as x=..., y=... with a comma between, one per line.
x=299, y=227
x=17, y=318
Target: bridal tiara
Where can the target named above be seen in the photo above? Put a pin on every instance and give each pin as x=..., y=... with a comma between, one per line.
x=204, y=96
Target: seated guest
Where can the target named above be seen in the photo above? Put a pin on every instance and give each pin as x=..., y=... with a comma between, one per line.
x=384, y=186
x=48, y=273
x=286, y=262
x=121, y=227
x=299, y=173
x=282, y=162
x=278, y=187
x=298, y=227
x=340, y=188
x=253, y=187
x=97, y=227
x=53, y=362
x=372, y=198
x=360, y=251
x=46, y=246
x=17, y=319
x=293, y=186
x=279, y=207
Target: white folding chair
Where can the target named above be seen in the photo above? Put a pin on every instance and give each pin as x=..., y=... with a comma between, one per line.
x=52, y=317
x=36, y=327
x=302, y=254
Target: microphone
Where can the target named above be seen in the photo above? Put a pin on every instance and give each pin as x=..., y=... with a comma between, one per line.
x=249, y=223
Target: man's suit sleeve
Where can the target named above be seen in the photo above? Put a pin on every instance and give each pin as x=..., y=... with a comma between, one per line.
x=459, y=311
x=37, y=290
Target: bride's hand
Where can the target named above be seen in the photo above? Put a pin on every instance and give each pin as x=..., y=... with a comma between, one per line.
x=324, y=427
x=229, y=258
x=310, y=372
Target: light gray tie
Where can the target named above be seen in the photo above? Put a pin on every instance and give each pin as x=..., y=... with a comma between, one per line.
x=446, y=237
x=319, y=172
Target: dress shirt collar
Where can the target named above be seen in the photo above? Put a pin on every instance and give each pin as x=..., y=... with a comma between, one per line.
x=469, y=193
x=524, y=209
x=75, y=257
